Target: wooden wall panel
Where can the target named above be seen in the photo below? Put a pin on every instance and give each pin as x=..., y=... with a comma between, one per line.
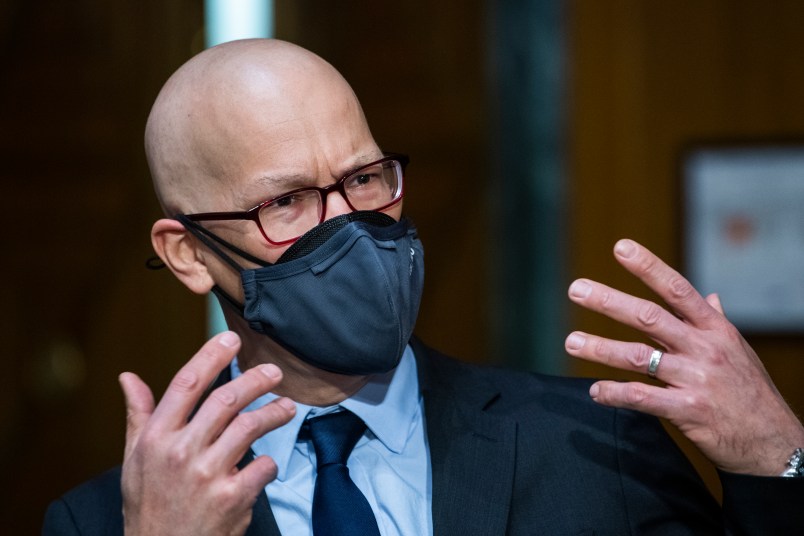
x=650, y=78
x=78, y=305
x=417, y=68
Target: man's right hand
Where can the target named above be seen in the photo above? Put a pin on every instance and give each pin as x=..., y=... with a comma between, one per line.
x=180, y=476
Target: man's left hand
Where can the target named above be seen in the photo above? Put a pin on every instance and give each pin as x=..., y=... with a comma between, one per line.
x=715, y=389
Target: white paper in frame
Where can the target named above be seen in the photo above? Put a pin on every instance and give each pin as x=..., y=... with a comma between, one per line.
x=744, y=232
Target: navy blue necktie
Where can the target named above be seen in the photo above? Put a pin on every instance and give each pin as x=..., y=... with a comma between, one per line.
x=339, y=508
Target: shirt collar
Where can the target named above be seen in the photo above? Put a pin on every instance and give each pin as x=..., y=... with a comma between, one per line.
x=388, y=403
x=385, y=404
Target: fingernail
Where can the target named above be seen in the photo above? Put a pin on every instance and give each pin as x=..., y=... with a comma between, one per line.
x=286, y=403
x=594, y=390
x=575, y=341
x=625, y=249
x=229, y=339
x=580, y=289
x=271, y=370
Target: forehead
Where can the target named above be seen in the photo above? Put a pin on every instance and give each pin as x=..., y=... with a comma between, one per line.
x=269, y=134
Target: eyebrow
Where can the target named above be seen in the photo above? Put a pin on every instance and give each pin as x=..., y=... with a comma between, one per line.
x=278, y=184
x=266, y=187
x=285, y=182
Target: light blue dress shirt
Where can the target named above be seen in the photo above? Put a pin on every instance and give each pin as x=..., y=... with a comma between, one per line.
x=390, y=464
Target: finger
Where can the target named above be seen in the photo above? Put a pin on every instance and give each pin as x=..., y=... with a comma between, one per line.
x=253, y=478
x=658, y=401
x=644, y=315
x=631, y=356
x=671, y=286
x=714, y=301
x=187, y=386
x=224, y=403
x=139, y=406
x=247, y=428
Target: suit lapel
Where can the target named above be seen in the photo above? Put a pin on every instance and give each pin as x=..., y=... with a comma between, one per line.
x=262, y=519
x=263, y=522
x=472, y=453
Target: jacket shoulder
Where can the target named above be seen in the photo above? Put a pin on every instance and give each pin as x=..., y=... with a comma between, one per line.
x=508, y=388
x=93, y=508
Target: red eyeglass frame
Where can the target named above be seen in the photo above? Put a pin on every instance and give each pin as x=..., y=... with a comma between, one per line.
x=253, y=213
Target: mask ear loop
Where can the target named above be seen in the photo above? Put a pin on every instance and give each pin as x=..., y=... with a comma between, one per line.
x=208, y=239
x=224, y=297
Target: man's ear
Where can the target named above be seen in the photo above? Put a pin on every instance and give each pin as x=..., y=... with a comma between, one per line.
x=179, y=251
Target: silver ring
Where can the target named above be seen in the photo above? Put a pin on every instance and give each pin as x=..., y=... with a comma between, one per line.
x=653, y=364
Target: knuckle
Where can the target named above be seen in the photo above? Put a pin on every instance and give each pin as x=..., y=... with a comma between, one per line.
x=202, y=472
x=251, y=384
x=282, y=409
x=228, y=496
x=731, y=332
x=600, y=347
x=148, y=440
x=185, y=380
x=680, y=288
x=606, y=300
x=712, y=354
x=635, y=395
x=248, y=423
x=224, y=396
x=178, y=455
x=649, y=314
x=646, y=263
x=718, y=356
x=641, y=358
x=696, y=405
x=699, y=377
x=256, y=380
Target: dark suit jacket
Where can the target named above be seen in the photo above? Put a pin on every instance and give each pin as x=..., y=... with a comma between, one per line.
x=517, y=453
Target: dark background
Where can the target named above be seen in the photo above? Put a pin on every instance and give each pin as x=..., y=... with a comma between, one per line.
x=643, y=79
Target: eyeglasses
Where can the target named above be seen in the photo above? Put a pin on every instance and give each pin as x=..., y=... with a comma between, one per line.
x=282, y=220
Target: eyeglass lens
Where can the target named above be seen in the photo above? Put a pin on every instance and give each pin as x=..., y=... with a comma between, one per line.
x=370, y=188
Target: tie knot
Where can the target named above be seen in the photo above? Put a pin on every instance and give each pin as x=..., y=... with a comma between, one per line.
x=334, y=436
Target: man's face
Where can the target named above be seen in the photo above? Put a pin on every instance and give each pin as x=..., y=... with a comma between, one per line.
x=260, y=153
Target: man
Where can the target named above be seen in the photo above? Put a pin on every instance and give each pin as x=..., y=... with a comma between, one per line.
x=280, y=201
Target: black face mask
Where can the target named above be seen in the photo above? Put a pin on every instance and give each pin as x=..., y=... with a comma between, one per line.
x=344, y=297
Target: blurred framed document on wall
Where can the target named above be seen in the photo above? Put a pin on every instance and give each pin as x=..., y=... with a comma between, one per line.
x=743, y=209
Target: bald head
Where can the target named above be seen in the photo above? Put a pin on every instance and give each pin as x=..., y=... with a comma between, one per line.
x=238, y=115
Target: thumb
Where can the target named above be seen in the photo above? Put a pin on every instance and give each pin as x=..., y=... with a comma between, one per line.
x=139, y=407
x=714, y=301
